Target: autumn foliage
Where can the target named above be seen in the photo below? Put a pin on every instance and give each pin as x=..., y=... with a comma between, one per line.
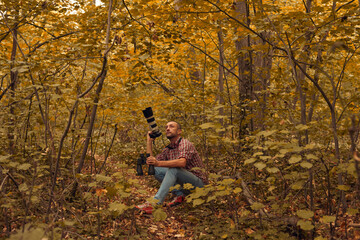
x=267, y=91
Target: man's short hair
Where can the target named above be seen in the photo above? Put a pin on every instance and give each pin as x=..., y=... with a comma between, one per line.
x=179, y=126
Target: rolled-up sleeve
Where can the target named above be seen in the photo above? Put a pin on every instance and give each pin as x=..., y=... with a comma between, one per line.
x=186, y=151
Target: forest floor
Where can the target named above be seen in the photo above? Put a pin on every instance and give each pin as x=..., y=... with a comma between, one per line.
x=188, y=222
x=227, y=217
x=177, y=225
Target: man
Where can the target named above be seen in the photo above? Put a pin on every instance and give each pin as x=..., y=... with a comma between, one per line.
x=174, y=166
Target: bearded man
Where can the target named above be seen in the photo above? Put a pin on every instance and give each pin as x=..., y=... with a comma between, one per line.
x=174, y=165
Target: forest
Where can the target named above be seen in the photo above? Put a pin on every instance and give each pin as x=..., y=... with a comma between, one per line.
x=266, y=90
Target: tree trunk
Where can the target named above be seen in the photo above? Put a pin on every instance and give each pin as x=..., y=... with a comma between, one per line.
x=244, y=68
x=221, y=75
x=13, y=82
x=96, y=101
x=262, y=64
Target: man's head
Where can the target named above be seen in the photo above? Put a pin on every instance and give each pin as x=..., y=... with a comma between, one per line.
x=173, y=130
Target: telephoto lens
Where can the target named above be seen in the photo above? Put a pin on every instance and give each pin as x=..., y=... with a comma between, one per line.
x=151, y=170
x=155, y=132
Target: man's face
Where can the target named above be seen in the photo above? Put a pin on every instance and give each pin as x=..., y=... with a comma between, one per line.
x=172, y=130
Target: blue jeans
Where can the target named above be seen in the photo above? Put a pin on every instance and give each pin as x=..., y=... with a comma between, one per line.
x=169, y=177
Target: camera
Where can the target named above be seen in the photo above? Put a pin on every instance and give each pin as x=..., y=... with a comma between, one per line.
x=141, y=161
x=148, y=113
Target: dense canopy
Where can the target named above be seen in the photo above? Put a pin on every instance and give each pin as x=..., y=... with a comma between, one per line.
x=268, y=92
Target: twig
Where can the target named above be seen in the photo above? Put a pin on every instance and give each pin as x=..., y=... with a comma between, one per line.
x=107, y=153
x=3, y=182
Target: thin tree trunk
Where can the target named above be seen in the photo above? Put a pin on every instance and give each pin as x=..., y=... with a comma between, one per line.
x=354, y=131
x=244, y=67
x=262, y=64
x=221, y=75
x=52, y=191
x=95, y=103
x=13, y=82
x=108, y=152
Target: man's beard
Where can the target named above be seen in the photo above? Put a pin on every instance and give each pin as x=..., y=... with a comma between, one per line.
x=171, y=136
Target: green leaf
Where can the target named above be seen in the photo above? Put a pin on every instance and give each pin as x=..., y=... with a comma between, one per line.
x=23, y=187
x=207, y=125
x=302, y=127
x=257, y=206
x=297, y=185
x=227, y=181
x=224, y=236
x=306, y=165
x=198, y=201
x=311, y=146
x=20, y=69
x=296, y=149
x=284, y=151
x=214, y=176
x=197, y=169
x=343, y=187
x=102, y=178
x=93, y=184
x=24, y=166
x=210, y=198
x=272, y=170
x=320, y=238
x=187, y=186
x=305, y=225
x=328, y=219
x=295, y=159
x=199, y=192
x=222, y=193
x=258, y=154
x=271, y=188
x=34, y=199
x=264, y=157
x=117, y=207
x=122, y=165
x=305, y=213
x=159, y=215
x=260, y=165
x=30, y=233
x=352, y=211
x=144, y=56
x=13, y=164
x=250, y=160
x=237, y=190
x=311, y=156
x=4, y=159
x=69, y=223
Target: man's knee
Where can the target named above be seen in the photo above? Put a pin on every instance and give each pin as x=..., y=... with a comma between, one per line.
x=173, y=171
x=160, y=173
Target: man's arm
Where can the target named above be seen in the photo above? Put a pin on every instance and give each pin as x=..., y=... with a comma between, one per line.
x=149, y=142
x=181, y=162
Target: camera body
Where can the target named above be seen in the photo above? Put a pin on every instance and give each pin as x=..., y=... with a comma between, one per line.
x=148, y=114
x=142, y=161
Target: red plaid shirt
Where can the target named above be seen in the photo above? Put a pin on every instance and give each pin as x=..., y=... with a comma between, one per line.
x=183, y=148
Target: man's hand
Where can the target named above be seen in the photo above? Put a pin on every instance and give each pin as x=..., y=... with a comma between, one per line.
x=152, y=161
x=149, y=139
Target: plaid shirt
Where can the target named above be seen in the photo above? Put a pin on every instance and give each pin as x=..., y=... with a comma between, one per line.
x=183, y=148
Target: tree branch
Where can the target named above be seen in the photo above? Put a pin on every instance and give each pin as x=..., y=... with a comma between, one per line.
x=108, y=152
